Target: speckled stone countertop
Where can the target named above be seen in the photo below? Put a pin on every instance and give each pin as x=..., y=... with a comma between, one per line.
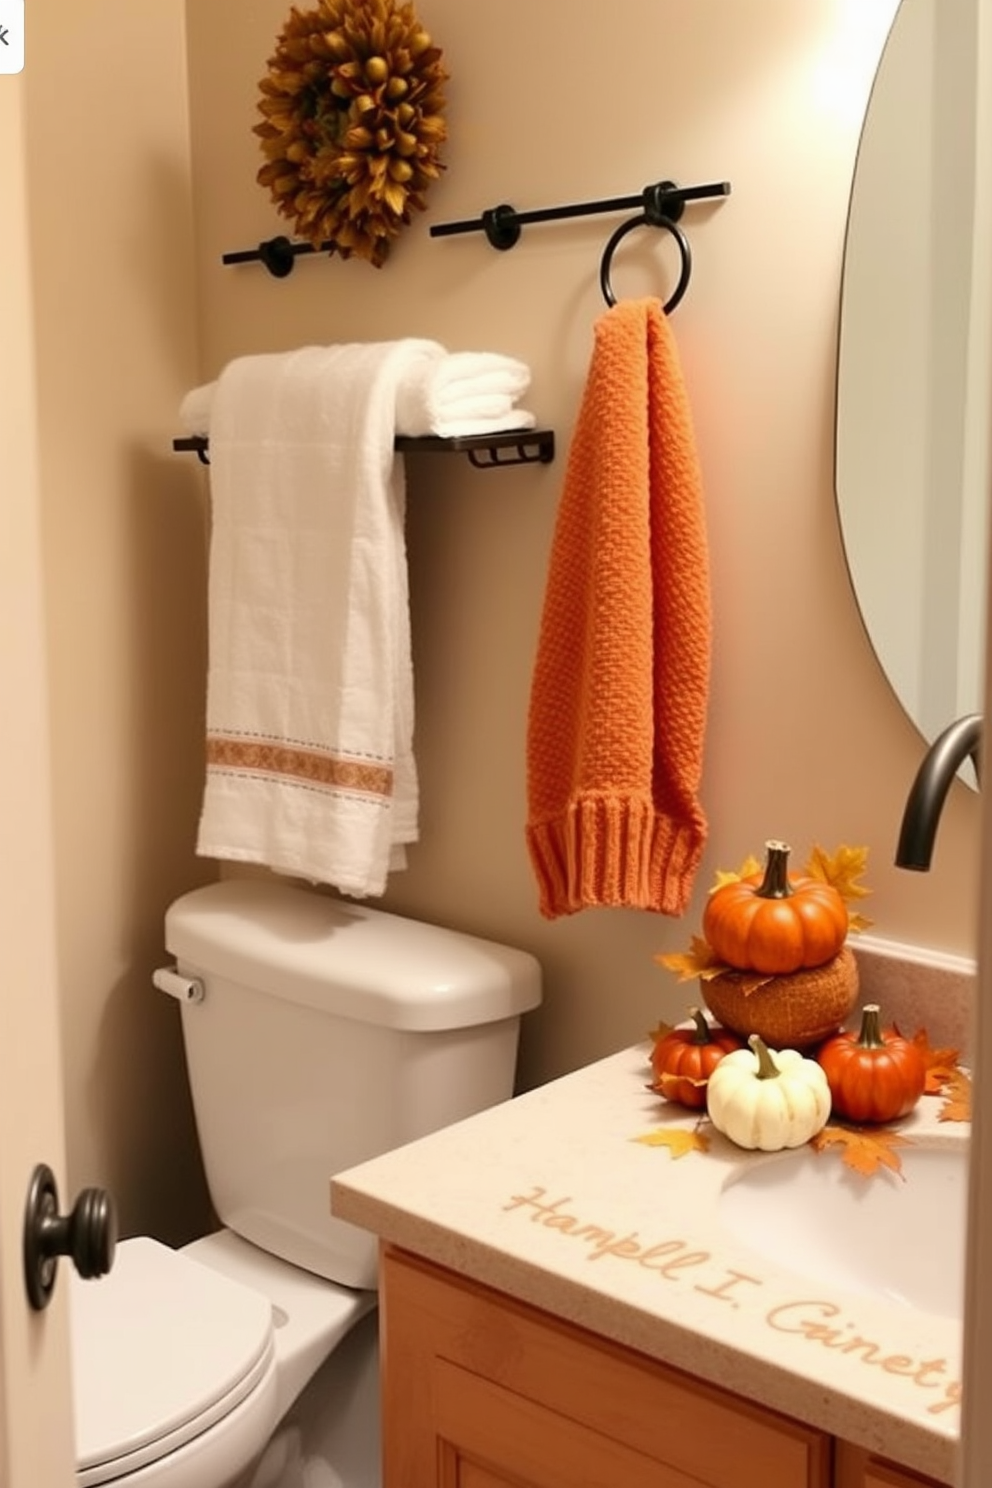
x=552, y=1199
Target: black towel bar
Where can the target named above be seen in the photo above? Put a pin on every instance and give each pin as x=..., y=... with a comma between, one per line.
x=277, y=254
x=662, y=202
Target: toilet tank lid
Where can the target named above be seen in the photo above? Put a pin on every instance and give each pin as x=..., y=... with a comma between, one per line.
x=347, y=959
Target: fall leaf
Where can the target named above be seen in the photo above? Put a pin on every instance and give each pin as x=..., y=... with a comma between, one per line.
x=666, y=1083
x=748, y=869
x=863, y=1149
x=941, y=1064
x=843, y=869
x=677, y=1139
x=957, y=1105
x=697, y=963
x=747, y=982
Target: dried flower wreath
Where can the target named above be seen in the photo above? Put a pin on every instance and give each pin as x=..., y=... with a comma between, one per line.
x=352, y=105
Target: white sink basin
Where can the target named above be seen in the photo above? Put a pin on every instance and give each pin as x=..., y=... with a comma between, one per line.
x=900, y=1239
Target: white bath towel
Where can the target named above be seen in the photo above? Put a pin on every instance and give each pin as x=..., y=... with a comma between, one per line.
x=310, y=765
x=439, y=392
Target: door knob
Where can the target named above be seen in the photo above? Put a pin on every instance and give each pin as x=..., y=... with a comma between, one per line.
x=88, y=1234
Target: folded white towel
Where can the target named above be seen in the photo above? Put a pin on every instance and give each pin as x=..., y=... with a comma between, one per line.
x=194, y=410
x=310, y=765
x=452, y=428
x=441, y=393
x=467, y=372
x=464, y=392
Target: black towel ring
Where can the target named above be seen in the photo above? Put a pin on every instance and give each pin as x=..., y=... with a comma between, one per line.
x=617, y=237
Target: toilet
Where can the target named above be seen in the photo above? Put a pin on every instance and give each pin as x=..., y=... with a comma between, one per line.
x=318, y=1034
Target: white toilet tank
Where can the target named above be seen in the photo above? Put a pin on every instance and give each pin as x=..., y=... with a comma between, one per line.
x=327, y=1033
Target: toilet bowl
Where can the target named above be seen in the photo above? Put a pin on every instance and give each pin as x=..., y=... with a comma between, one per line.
x=185, y=1362
x=317, y=1034
x=174, y=1374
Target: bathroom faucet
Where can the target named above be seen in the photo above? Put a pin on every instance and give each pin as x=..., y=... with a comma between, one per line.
x=925, y=801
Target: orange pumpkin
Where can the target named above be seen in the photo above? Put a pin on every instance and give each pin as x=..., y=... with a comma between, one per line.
x=684, y=1058
x=875, y=1074
x=775, y=923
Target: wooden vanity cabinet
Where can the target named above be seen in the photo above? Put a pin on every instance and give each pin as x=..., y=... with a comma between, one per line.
x=481, y=1391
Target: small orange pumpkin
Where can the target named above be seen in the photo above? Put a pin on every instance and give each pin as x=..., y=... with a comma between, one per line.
x=875, y=1074
x=775, y=923
x=684, y=1058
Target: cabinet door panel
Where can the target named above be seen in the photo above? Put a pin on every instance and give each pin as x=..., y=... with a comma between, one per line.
x=880, y=1475
x=461, y=1472
x=467, y=1370
x=494, y=1427
x=855, y=1467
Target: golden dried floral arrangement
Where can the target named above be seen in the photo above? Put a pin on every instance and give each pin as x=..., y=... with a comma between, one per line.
x=352, y=107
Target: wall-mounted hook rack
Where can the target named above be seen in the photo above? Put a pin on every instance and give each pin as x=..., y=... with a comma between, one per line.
x=662, y=202
x=484, y=451
x=277, y=254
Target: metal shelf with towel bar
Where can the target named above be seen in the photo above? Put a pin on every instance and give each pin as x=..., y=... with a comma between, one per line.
x=484, y=451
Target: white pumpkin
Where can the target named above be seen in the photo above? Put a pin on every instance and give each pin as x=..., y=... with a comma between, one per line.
x=766, y=1102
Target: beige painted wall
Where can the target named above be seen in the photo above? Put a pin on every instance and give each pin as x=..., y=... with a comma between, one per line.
x=124, y=546
x=805, y=739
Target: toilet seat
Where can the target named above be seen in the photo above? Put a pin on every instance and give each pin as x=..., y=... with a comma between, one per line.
x=163, y=1349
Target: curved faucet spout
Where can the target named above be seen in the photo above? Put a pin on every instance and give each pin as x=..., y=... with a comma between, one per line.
x=928, y=792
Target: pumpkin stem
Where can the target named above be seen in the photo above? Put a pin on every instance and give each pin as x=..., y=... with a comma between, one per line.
x=775, y=884
x=870, y=1036
x=767, y=1068
x=702, y=1033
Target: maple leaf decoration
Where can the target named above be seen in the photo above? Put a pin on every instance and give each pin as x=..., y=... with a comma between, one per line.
x=677, y=1139
x=843, y=870
x=957, y=1103
x=698, y=963
x=748, y=869
x=864, y=1149
x=945, y=1077
x=941, y=1064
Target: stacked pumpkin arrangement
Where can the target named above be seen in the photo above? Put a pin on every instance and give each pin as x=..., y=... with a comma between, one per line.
x=777, y=973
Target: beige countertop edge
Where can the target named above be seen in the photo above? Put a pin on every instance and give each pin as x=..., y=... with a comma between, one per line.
x=864, y=1422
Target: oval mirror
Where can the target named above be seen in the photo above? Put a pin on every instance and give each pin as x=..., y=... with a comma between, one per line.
x=913, y=387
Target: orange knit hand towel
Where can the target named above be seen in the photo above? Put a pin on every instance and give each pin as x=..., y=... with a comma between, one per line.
x=621, y=680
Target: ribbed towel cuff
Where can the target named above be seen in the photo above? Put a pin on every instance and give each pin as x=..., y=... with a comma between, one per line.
x=615, y=851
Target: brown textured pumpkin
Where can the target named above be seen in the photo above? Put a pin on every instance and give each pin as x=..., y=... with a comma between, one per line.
x=776, y=923
x=788, y=1012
